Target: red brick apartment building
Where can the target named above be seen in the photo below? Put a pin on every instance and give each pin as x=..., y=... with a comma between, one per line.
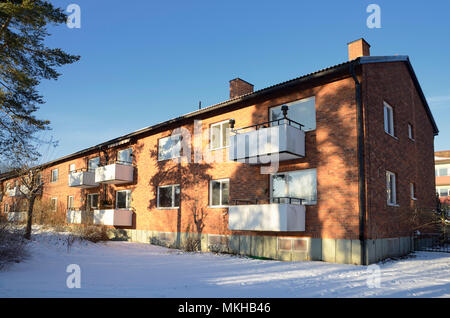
x=320, y=167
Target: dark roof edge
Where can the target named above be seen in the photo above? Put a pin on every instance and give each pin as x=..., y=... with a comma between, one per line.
x=315, y=75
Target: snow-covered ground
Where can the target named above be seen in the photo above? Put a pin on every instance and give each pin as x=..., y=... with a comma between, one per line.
x=123, y=269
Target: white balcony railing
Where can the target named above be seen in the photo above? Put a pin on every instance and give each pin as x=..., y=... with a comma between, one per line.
x=276, y=217
x=115, y=173
x=17, y=216
x=74, y=216
x=282, y=141
x=114, y=217
x=17, y=191
x=82, y=179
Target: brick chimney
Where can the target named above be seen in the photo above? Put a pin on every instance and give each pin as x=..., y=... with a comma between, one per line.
x=358, y=48
x=239, y=87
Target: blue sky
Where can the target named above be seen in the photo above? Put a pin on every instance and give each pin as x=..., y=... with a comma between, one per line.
x=143, y=62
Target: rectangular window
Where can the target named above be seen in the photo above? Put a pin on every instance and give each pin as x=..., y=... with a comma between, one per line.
x=169, y=147
x=125, y=156
x=443, y=192
x=72, y=167
x=93, y=163
x=300, y=184
x=391, y=188
x=123, y=199
x=54, y=176
x=92, y=201
x=220, y=135
x=413, y=190
x=6, y=207
x=54, y=204
x=219, y=192
x=169, y=196
x=388, y=119
x=70, y=202
x=302, y=111
x=443, y=172
x=410, y=131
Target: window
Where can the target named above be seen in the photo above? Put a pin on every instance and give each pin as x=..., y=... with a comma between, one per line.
x=410, y=131
x=6, y=207
x=169, y=147
x=54, y=204
x=125, y=156
x=300, y=184
x=54, y=176
x=70, y=202
x=391, y=188
x=8, y=186
x=219, y=192
x=302, y=111
x=413, y=190
x=220, y=135
x=92, y=201
x=443, y=192
x=388, y=119
x=442, y=172
x=169, y=196
x=93, y=163
x=72, y=167
x=123, y=199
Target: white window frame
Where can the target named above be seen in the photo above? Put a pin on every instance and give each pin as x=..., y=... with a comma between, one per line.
x=56, y=204
x=393, y=202
x=439, y=188
x=131, y=156
x=72, y=167
x=412, y=187
x=91, y=160
x=174, y=155
x=70, y=202
x=128, y=199
x=221, y=181
x=221, y=146
x=6, y=207
x=173, y=197
x=57, y=175
x=287, y=186
x=411, y=132
x=89, y=196
x=388, y=115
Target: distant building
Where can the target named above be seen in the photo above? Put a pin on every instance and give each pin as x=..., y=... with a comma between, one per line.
x=442, y=172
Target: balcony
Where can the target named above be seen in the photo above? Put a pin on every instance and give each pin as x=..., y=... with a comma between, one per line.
x=82, y=179
x=273, y=217
x=17, y=216
x=16, y=191
x=282, y=139
x=74, y=216
x=116, y=173
x=114, y=217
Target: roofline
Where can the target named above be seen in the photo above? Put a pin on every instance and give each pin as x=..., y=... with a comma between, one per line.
x=267, y=90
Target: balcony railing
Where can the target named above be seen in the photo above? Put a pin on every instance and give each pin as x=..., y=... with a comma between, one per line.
x=280, y=215
x=281, y=139
x=115, y=173
x=82, y=179
x=17, y=191
x=74, y=216
x=17, y=216
x=114, y=217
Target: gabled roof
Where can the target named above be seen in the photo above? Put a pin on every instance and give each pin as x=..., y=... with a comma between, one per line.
x=338, y=68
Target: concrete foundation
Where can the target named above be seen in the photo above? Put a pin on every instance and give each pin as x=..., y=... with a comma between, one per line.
x=278, y=248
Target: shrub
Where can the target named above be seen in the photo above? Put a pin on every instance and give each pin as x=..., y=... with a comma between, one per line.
x=12, y=244
x=92, y=233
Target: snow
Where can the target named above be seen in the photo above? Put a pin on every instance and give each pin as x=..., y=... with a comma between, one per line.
x=125, y=269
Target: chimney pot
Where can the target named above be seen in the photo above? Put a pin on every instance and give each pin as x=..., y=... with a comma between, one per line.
x=358, y=48
x=239, y=87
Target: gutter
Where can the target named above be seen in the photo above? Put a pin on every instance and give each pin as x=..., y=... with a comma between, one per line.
x=361, y=166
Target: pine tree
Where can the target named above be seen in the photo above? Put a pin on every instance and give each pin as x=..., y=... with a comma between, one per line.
x=24, y=62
